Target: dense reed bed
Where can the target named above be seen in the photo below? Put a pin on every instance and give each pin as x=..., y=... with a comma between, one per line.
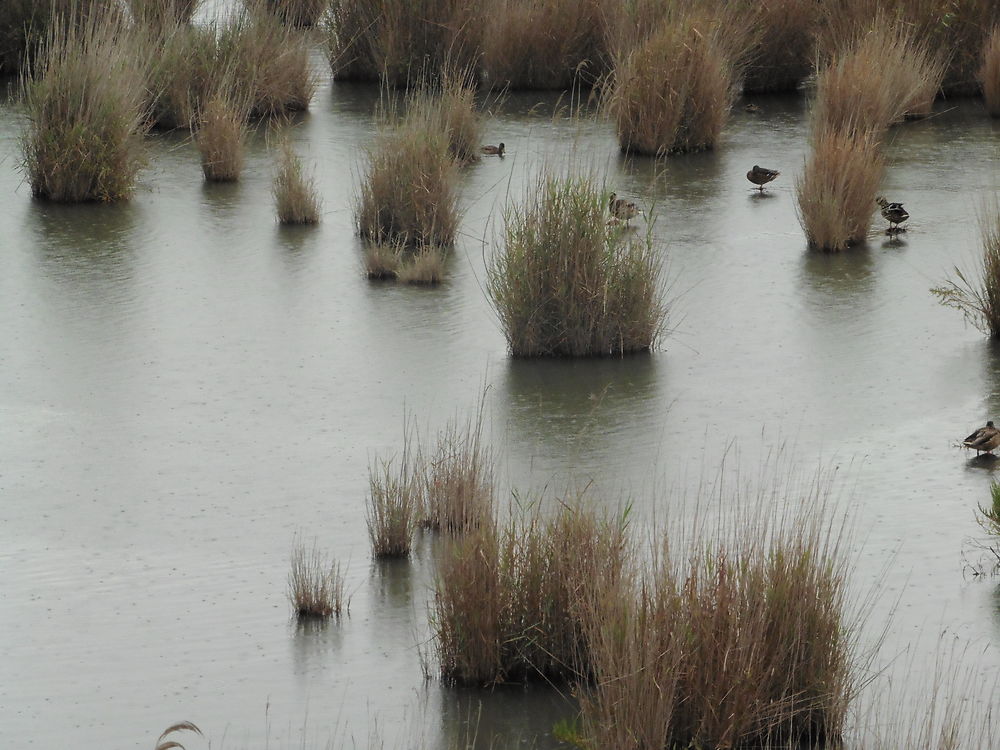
x=296, y=197
x=566, y=283
x=553, y=44
x=977, y=295
x=673, y=91
x=739, y=637
x=86, y=112
x=782, y=55
x=511, y=602
x=403, y=41
x=409, y=189
x=26, y=25
x=989, y=72
x=837, y=190
x=316, y=586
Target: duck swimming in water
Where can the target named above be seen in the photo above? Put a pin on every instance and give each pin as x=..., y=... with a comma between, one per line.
x=495, y=150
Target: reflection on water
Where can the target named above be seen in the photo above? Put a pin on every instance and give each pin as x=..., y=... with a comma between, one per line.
x=315, y=643
x=838, y=279
x=511, y=715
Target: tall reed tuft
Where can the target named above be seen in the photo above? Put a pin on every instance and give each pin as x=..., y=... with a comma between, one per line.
x=977, y=296
x=221, y=134
x=394, y=500
x=316, y=585
x=510, y=603
x=989, y=72
x=837, y=190
x=295, y=196
x=403, y=41
x=565, y=283
x=673, y=92
x=742, y=641
x=459, y=492
x=86, y=112
x=183, y=74
x=547, y=44
x=409, y=191
x=881, y=77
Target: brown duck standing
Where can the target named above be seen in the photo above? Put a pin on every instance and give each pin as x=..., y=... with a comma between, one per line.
x=760, y=176
x=984, y=440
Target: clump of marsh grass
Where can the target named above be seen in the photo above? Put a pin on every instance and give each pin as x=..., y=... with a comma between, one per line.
x=977, y=296
x=565, y=283
x=782, y=55
x=553, y=44
x=394, y=501
x=883, y=76
x=425, y=267
x=510, y=603
x=409, y=190
x=221, y=134
x=741, y=642
x=382, y=261
x=459, y=492
x=183, y=74
x=86, y=112
x=316, y=585
x=989, y=72
x=673, y=91
x=403, y=41
x=295, y=195
x=837, y=190
x=25, y=25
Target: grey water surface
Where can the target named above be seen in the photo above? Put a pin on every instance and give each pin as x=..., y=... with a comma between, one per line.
x=185, y=386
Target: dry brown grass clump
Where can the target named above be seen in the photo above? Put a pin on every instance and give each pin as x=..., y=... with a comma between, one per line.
x=459, y=490
x=394, y=501
x=977, y=296
x=547, y=44
x=409, y=192
x=221, y=134
x=955, y=28
x=403, y=41
x=425, y=267
x=883, y=76
x=511, y=603
x=295, y=195
x=183, y=74
x=673, y=91
x=565, y=283
x=782, y=56
x=86, y=112
x=743, y=642
x=316, y=585
x=989, y=72
x=838, y=187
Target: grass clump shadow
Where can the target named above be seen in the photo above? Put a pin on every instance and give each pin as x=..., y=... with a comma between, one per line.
x=316, y=584
x=977, y=296
x=566, y=283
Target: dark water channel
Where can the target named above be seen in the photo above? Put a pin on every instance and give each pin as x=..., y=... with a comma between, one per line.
x=184, y=385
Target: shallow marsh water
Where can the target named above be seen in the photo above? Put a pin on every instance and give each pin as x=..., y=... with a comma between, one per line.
x=185, y=385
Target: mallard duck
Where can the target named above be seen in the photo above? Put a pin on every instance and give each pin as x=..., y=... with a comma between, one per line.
x=760, y=176
x=622, y=209
x=984, y=440
x=894, y=213
x=752, y=109
x=496, y=150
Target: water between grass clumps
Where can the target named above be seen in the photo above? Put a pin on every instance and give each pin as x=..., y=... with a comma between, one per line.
x=185, y=385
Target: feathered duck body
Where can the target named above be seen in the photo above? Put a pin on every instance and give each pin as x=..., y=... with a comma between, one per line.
x=760, y=176
x=894, y=213
x=622, y=209
x=495, y=150
x=984, y=440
